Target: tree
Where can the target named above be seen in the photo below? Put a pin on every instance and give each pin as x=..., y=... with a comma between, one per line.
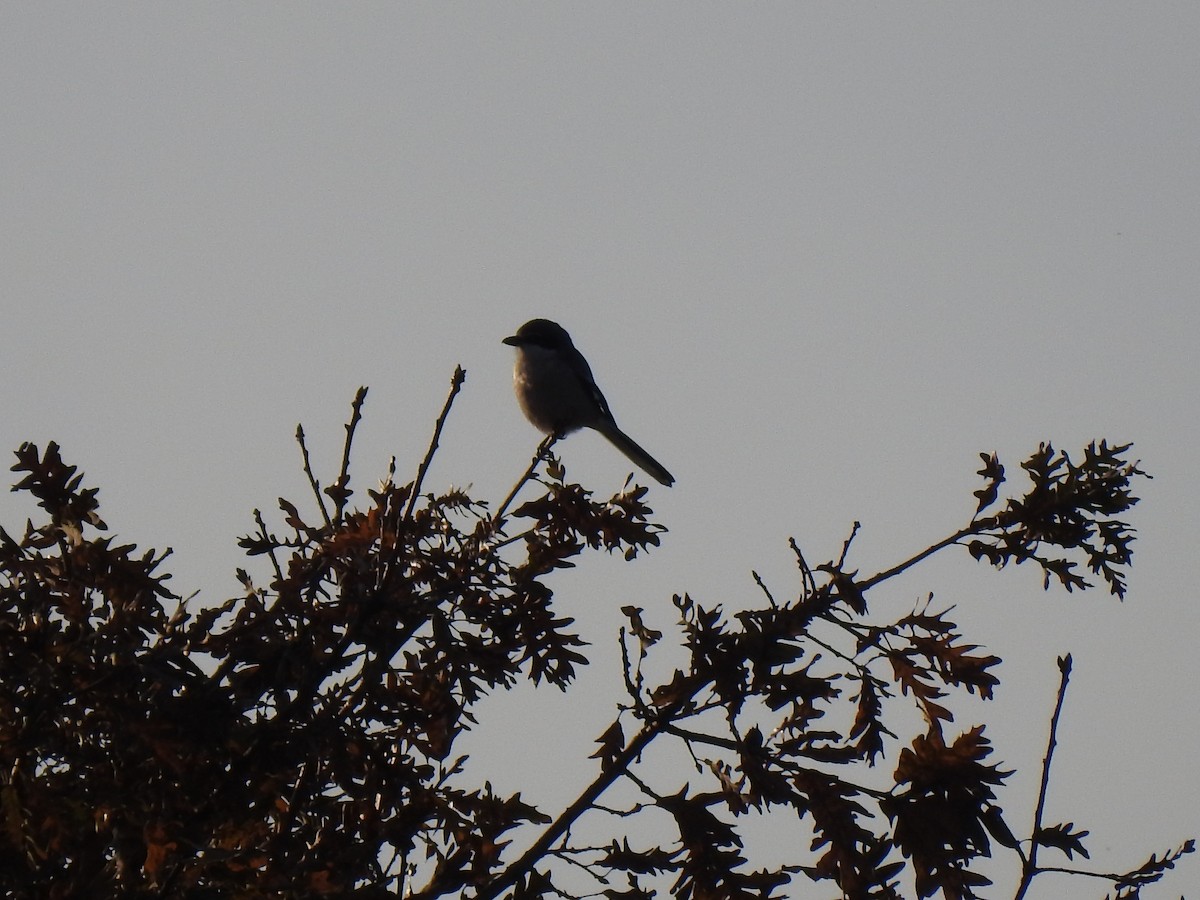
x=300, y=738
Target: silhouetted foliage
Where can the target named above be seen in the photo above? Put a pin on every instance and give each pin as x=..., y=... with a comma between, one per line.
x=300, y=738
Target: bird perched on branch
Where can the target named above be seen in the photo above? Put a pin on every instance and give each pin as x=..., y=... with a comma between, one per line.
x=558, y=394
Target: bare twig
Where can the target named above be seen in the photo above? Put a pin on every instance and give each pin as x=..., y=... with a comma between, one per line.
x=841, y=563
x=634, y=689
x=763, y=587
x=542, y=450
x=1030, y=867
x=312, y=479
x=456, y=383
x=262, y=530
x=618, y=767
x=808, y=583
x=340, y=490
x=387, y=527
x=913, y=560
x=700, y=737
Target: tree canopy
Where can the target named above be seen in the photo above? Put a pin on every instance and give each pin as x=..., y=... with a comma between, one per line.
x=301, y=738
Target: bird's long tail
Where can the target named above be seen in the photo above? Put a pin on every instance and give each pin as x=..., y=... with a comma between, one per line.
x=636, y=454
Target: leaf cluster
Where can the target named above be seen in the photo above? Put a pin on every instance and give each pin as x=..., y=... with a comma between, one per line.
x=1068, y=507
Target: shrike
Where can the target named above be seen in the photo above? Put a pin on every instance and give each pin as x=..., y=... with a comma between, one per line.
x=558, y=395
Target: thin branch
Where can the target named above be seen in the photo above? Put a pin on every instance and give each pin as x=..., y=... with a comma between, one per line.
x=340, y=489
x=512, y=539
x=456, y=383
x=700, y=738
x=1029, y=869
x=841, y=563
x=808, y=583
x=913, y=560
x=591, y=868
x=645, y=788
x=1115, y=877
x=542, y=450
x=388, y=527
x=766, y=590
x=634, y=690
x=262, y=530
x=634, y=810
x=560, y=826
x=312, y=479
x=828, y=647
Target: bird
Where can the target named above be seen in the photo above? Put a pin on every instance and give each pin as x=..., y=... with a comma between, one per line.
x=557, y=393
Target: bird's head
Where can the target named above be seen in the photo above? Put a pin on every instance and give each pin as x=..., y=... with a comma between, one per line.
x=540, y=333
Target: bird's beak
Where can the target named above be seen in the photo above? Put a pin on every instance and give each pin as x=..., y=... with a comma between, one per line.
x=512, y=340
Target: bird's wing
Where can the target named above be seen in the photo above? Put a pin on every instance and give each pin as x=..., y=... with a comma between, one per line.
x=580, y=365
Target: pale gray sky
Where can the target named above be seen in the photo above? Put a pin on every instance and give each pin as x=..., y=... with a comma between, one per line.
x=818, y=255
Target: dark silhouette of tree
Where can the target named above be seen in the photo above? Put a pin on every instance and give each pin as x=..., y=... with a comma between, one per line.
x=300, y=738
